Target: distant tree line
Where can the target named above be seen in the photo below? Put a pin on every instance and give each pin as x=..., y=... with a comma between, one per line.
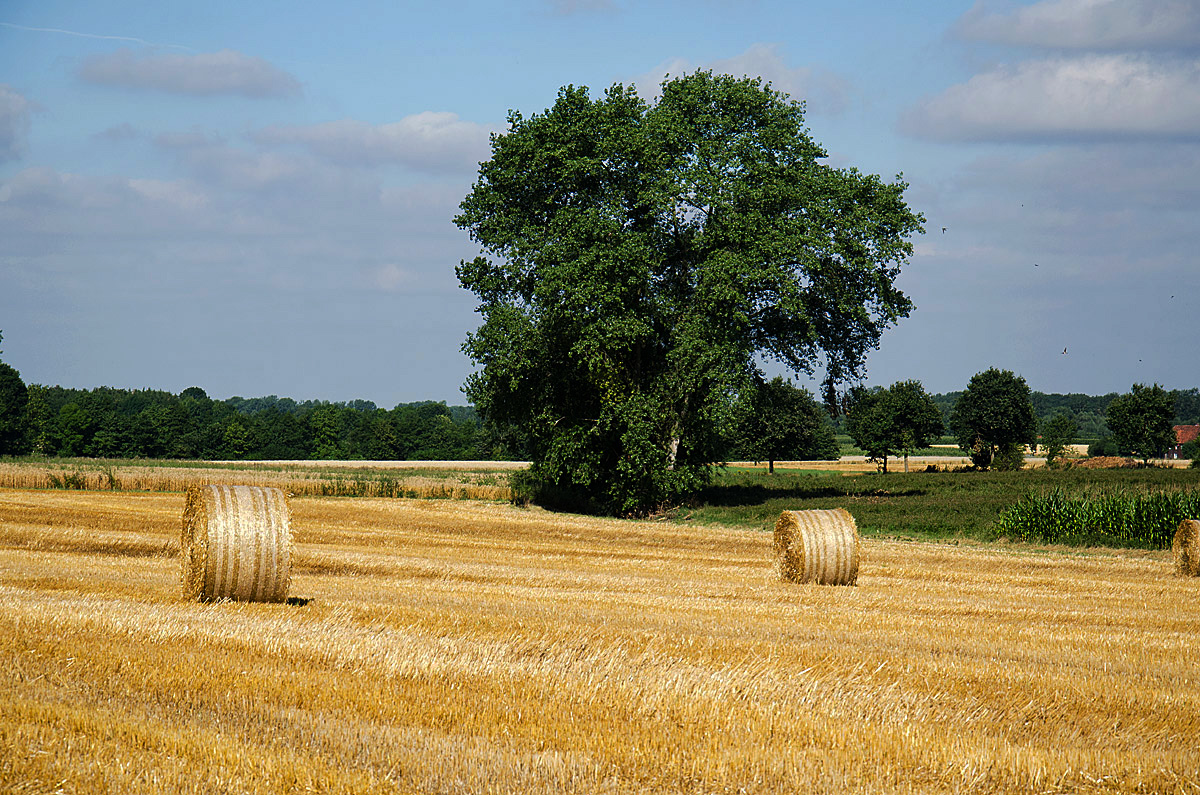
x=123, y=423
x=779, y=422
x=993, y=418
x=1088, y=412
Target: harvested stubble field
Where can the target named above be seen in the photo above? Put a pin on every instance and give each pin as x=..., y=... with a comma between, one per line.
x=454, y=646
x=481, y=480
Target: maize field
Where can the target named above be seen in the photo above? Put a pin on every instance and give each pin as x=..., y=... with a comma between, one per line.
x=1118, y=518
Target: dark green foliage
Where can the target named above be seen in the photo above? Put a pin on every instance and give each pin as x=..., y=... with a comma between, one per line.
x=1104, y=447
x=993, y=417
x=1141, y=421
x=1187, y=406
x=898, y=420
x=1008, y=457
x=1087, y=410
x=782, y=422
x=1112, y=518
x=117, y=423
x=14, y=400
x=644, y=256
x=1057, y=433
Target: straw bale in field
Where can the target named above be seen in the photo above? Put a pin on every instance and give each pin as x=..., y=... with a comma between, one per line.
x=1186, y=548
x=236, y=544
x=817, y=546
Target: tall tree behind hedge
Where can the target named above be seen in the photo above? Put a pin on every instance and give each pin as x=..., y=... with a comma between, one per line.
x=1141, y=421
x=993, y=419
x=898, y=420
x=782, y=422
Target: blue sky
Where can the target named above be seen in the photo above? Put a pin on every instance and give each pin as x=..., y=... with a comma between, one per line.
x=256, y=198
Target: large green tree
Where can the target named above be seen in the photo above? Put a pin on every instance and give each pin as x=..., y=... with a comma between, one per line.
x=993, y=419
x=895, y=421
x=1141, y=421
x=638, y=258
x=783, y=422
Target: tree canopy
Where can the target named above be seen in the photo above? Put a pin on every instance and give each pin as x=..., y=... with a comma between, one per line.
x=782, y=422
x=121, y=423
x=13, y=400
x=895, y=421
x=639, y=260
x=1058, y=432
x=1141, y=421
x=993, y=419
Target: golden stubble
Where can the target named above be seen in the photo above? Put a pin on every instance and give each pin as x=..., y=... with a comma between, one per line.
x=456, y=480
x=459, y=646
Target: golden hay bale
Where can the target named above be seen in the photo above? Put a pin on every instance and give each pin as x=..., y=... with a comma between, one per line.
x=817, y=546
x=236, y=544
x=1186, y=548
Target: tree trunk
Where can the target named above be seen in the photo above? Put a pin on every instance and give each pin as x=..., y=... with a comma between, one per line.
x=771, y=466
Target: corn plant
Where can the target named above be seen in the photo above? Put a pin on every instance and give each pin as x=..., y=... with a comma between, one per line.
x=1121, y=518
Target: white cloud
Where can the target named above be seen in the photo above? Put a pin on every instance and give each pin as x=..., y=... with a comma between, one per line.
x=14, y=123
x=822, y=90
x=240, y=170
x=172, y=192
x=207, y=74
x=430, y=141
x=391, y=277
x=46, y=192
x=1088, y=24
x=1093, y=97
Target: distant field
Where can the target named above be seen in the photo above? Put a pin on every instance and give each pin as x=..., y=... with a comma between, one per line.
x=938, y=505
x=419, y=479
x=462, y=646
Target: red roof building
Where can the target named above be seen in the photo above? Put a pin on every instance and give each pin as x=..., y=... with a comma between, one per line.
x=1183, y=435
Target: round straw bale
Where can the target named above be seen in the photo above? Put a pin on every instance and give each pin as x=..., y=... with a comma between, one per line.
x=817, y=546
x=1186, y=548
x=236, y=544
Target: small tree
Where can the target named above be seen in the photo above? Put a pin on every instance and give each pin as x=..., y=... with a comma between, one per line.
x=1141, y=421
x=895, y=421
x=784, y=422
x=1057, y=433
x=994, y=415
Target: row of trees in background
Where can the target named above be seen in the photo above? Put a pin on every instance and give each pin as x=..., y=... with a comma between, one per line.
x=119, y=423
x=1088, y=412
x=993, y=420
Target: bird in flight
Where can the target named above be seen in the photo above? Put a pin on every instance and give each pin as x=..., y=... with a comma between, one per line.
x=1064, y=351
x=943, y=230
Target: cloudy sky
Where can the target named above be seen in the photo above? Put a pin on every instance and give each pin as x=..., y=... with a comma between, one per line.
x=256, y=198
